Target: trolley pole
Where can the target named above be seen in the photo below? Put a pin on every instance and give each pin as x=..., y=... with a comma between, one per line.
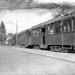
x=16, y=33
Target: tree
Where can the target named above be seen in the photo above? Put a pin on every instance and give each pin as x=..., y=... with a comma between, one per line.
x=2, y=32
x=56, y=8
x=66, y=8
x=2, y=28
x=2, y=25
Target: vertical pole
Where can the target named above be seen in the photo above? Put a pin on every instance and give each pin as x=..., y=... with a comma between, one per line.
x=62, y=35
x=16, y=33
x=3, y=38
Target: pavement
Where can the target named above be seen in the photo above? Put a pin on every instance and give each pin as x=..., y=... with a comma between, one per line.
x=58, y=55
x=15, y=61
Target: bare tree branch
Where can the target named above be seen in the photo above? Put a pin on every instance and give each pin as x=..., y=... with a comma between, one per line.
x=55, y=8
x=45, y=5
x=66, y=7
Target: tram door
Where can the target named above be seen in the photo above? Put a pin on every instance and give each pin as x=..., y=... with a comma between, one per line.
x=43, y=36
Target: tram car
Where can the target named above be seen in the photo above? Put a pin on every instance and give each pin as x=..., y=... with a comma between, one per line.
x=57, y=34
x=23, y=38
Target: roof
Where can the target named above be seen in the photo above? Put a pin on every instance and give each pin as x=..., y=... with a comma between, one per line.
x=24, y=31
x=46, y=22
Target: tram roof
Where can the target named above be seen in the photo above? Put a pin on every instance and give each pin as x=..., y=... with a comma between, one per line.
x=24, y=31
x=53, y=20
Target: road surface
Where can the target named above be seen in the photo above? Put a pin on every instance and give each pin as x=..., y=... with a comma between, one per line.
x=16, y=62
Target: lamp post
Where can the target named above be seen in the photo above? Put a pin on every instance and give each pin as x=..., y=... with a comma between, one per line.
x=16, y=33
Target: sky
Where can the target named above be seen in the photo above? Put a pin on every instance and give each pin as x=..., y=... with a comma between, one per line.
x=26, y=18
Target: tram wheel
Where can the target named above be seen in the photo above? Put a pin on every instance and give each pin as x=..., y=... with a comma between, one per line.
x=36, y=47
x=65, y=50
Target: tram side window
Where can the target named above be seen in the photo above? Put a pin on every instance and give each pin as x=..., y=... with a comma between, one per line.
x=50, y=29
x=58, y=27
x=67, y=25
x=33, y=33
x=37, y=32
x=46, y=31
x=74, y=24
x=29, y=33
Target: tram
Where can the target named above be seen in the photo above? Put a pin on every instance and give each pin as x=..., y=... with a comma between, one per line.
x=57, y=34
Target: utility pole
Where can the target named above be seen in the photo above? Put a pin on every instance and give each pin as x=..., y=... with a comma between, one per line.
x=16, y=30
x=3, y=38
x=16, y=33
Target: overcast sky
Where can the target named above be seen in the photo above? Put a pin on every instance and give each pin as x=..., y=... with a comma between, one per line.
x=26, y=18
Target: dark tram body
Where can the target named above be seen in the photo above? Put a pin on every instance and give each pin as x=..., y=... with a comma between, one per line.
x=57, y=34
x=23, y=38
